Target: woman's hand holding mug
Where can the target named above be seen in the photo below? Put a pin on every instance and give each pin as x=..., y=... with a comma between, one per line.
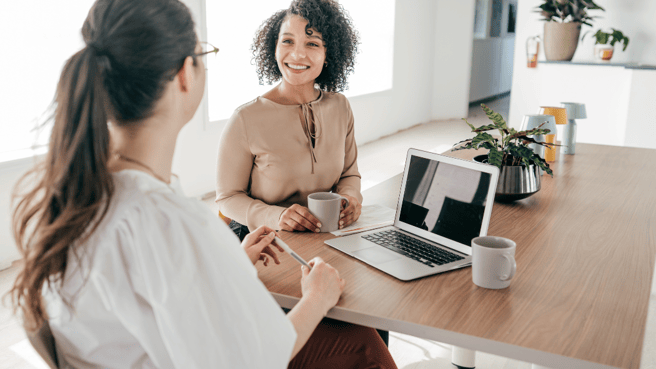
x=351, y=212
x=298, y=218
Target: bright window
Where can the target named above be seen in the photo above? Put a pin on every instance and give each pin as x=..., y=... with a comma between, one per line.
x=37, y=38
x=231, y=26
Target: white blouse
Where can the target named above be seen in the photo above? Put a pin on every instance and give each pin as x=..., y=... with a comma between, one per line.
x=163, y=283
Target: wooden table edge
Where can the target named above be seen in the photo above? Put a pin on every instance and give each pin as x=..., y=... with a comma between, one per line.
x=444, y=336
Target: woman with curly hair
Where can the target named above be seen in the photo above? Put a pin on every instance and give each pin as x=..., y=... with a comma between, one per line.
x=298, y=138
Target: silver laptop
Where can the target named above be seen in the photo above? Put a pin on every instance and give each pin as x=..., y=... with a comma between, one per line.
x=444, y=202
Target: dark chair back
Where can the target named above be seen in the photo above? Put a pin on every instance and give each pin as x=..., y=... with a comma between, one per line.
x=44, y=343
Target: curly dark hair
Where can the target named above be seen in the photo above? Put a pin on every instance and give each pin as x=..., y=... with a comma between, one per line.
x=336, y=27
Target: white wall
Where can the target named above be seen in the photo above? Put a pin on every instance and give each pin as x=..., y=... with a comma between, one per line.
x=635, y=18
x=607, y=91
x=641, y=110
x=9, y=175
x=603, y=89
x=430, y=82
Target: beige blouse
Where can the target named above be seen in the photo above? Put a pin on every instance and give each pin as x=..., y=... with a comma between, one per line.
x=267, y=161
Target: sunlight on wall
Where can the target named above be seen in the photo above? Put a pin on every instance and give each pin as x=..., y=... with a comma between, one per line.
x=36, y=39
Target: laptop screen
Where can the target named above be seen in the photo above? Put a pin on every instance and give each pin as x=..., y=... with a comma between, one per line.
x=445, y=199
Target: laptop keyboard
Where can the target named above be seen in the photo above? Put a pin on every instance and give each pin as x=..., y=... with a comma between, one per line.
x=413, y=248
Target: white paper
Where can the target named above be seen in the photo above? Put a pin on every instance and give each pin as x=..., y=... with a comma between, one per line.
x=372, y=217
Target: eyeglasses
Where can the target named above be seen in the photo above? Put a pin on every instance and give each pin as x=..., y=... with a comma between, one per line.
x=207, y=49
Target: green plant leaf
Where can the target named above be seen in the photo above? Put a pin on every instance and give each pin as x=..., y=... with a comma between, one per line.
x=489, y=127
x=463, y=145
x=530, y=140
x=463, y=141
x=495, y=117
x=542, y=164
x=483, y=137
x=495, y=157
x=469, y=124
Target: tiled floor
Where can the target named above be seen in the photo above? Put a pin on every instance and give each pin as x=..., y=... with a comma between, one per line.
x=378, y=161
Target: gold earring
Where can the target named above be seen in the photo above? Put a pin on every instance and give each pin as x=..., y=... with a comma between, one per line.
x=325, y=64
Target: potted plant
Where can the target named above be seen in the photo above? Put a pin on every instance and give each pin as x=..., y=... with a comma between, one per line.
x=562, y=27
x=519, y=177
x=605, y=43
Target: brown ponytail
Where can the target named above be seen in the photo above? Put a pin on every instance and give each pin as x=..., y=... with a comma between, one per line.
x=133, y=48
x=75, y=186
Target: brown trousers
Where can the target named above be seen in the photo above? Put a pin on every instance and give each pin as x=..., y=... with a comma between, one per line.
x=336, y=344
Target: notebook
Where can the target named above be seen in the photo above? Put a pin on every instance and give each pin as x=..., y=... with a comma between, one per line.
x=443, y=204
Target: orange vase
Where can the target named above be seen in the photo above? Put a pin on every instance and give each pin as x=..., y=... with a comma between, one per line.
x=550, y=152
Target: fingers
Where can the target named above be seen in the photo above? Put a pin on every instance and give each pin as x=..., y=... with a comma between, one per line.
x=254, y=247
x=269, y=251
x=348, y=220
x=261, y=230
x=349, y=215
x=265, y=241
x=298, y=218
x=314, y=261
x=278, y=246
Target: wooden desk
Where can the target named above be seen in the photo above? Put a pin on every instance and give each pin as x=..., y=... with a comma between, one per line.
x=586, y=245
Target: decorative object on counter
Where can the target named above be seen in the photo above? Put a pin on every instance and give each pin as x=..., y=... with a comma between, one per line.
x=574, y=111
x=530, y=122
x=519, y=177
x=604, y=52
x=532, y=48
x=605, y=43
x=562, y=27
x=560, y=114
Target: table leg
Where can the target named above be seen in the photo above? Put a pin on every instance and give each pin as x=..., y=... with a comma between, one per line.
x=463, y=358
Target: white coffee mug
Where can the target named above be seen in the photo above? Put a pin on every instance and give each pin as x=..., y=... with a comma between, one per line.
x=493, y=261
x=326, y=206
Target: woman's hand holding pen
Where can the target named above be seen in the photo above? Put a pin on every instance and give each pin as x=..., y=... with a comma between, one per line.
x=351, y=213
x=259, y=245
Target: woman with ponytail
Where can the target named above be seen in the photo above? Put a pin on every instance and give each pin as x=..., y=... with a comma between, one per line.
x=125, y=270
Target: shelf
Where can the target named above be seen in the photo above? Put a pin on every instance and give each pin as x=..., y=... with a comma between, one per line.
x=603, y=64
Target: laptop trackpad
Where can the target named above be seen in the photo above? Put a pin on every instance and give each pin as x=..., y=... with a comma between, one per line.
x=375, y=255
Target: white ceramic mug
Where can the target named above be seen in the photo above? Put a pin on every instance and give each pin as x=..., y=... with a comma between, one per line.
x=493, y=261
x=326, y=206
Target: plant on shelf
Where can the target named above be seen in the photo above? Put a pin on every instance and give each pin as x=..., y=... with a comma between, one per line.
x=564, y=11
x=562, y=27
x=605, y=38
x=511, y=149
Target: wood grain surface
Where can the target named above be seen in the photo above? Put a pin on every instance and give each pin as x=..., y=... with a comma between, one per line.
x=586, y=244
